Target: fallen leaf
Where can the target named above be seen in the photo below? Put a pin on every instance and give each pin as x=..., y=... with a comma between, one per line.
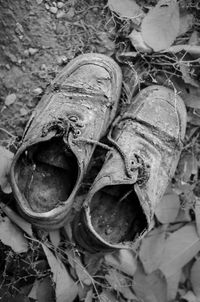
x=93, y=262
x=168, y=208
x=107, y=296
x=185, y=70
x=5, y=163
x=10, y=99
x=186, y=22
x=187, y=167
x=194, y=38
x=160, y=26
x=18, y=220
x=45, y=290
x=180, y=247
x=124, y=261
x=81, y=271
x=125, y=8
x=138, y=42
x=89, y=296
x=120, y=283
x=195, y=277
x=189, y=297
x=192, y=49
x=33, y=292
x=66, y=288
x=151, y=250
x=172, y=285
x=55, y=237
x=149, y=288
x=197, y=215
x=12, y=236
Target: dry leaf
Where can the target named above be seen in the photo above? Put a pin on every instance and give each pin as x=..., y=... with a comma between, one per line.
x=180, y=247
x=168, y=208
x=124, y=261
x=194, y=39
x=107, y=296
x=5, y=163
x=186, y=22
x=45, y=290
x=10, y=99
x=120, y=283
x=138, y=42
x=192, y=49
x=172, y=285
x=89, y=296
x=197, y=215
x=195, y=277
x=160, y=26
x=149, y=288
x=81, y=271
x=125, y=8
x=18, y=220
x=12, y=236
x=185, y=70
x=66, y=288
x=33, y=293
x=189, y=297
x=55, y=237
x=151, y=250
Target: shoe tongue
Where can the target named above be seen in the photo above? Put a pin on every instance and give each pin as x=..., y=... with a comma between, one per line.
x=92, y=77
x=114, y=168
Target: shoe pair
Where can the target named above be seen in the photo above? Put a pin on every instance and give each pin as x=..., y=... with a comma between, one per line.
x=59, y=141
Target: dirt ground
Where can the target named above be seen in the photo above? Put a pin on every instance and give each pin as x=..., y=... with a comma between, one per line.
x=36, y=40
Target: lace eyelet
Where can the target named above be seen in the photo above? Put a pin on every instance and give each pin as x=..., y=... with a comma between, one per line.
x=77, y=133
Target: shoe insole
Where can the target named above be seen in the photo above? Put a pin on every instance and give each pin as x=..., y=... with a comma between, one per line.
x=114, y=220
x=47, y=178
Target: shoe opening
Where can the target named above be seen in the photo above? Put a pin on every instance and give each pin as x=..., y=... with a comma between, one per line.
x=116, y=214
x=46, y=174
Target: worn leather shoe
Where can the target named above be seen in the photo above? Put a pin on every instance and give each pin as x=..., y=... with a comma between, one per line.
x=147, y=142
x=60, y=138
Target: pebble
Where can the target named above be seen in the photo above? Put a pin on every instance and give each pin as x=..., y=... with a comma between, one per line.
x=10, y=99
x=23, y=111
x=60, y=14
x=60, y=4
x=53, y=9
x=62, y=60
x=26, y=52
x=47, y=6
x=37, y=91
x=32, y=51
x=39, y=1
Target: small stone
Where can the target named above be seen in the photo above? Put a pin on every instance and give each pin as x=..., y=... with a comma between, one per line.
x=23, y=111
x=26, y=53
x=70, y=13
x=43, y=67
x=37, y=91
x=62, y=60
x=60, y=4
x=10, y=99
x=53, y=9
x=39, y=1
x=32, y=51
x=60, y=14
x=47, y=6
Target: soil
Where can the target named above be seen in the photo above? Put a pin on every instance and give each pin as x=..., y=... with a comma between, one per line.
x=36, y=40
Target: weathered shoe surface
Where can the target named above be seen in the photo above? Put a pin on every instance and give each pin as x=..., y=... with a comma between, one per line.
x=147, y=142
x=60, y=137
